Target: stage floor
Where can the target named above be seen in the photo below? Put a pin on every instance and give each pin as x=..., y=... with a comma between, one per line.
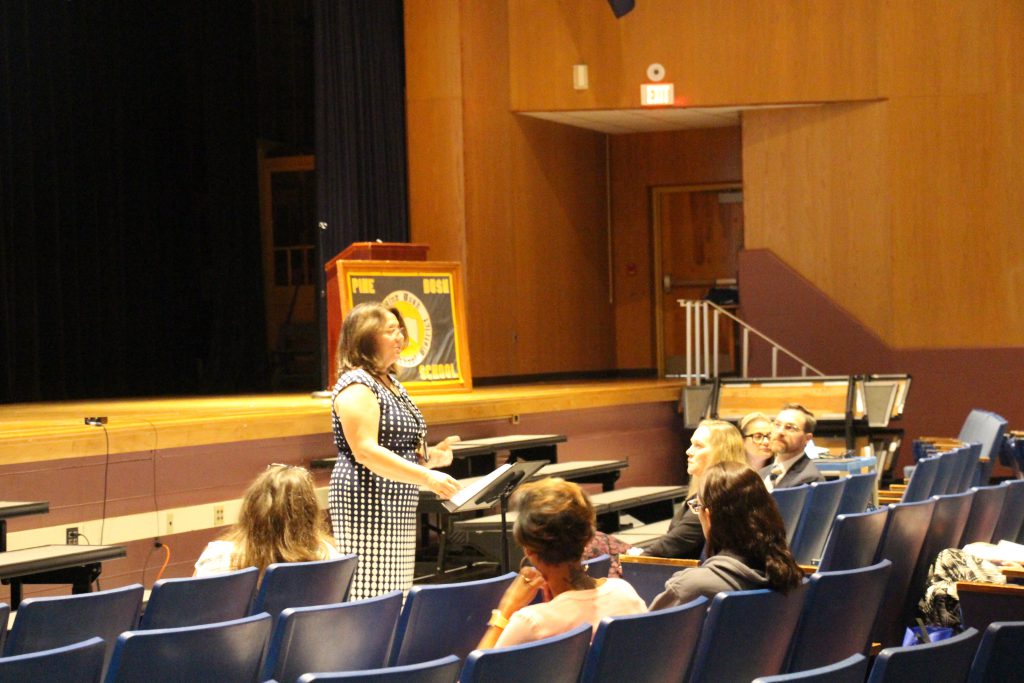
x=32, y=432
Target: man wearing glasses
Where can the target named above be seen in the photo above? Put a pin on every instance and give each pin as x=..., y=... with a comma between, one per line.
x=791, y=431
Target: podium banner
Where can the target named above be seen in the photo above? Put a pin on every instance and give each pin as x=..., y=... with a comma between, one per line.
x=429, y=297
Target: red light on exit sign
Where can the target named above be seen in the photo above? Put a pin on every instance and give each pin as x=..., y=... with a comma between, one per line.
x=657, y=94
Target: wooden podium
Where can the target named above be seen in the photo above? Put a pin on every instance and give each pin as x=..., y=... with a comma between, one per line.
x=427, y=294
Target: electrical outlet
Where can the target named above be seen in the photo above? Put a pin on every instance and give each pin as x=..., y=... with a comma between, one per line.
x=170, y=523
x=218, y=515
x=71, y=535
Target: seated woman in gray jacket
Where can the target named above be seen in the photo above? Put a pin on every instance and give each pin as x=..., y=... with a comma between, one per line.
x=746, y=540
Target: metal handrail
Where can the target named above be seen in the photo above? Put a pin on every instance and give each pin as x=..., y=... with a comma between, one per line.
x=701, y=363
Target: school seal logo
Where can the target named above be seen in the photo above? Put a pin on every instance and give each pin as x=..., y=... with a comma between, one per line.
x=417, y=324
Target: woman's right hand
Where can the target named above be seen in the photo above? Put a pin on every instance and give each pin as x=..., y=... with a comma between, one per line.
x=522, y=591
x=442, y=484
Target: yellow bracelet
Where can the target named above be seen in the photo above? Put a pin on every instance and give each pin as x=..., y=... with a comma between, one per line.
x=497, y=619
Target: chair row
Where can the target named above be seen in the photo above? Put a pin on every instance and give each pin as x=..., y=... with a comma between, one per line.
x=969, y=656
x=45, y=623
x=808, y=511
x=937, y=473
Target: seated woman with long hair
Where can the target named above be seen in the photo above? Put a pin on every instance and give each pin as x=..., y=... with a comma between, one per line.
x=554, y=521
x=713, y=441
x=280, y=521
x=746, y=540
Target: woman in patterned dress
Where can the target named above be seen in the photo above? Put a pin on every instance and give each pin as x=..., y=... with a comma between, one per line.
x=383, y=457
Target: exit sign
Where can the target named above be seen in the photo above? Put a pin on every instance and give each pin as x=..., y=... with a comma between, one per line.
x=657, y=94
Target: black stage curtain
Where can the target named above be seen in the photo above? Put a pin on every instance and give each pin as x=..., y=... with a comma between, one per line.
x=359, y=66
x=129, y=232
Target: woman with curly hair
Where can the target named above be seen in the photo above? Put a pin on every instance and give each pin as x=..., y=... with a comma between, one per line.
x=554, y=521
x=746, y=540
x=280, y=521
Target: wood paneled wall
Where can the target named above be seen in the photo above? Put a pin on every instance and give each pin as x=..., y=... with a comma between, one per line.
x=905, y=211
x=896, y=193
x=521, y=202
x=716, y=53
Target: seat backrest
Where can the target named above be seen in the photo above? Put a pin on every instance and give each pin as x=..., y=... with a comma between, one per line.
x=982, y=604
x=199, y=599
x=854, y=540
x=746, y=635
x=970, y=466
x=648, y=578
x=943, y=532
x=816, y=520
x=945, y=660
x=443, y=670
x=920, y=485
x=46, y=623
x=858, y=494
x=303, y=584
x=445, y=619
x=5, y=618
x=791, y=503
x=985, y=511
x=363, y=632
x=998, y=656
x=616, y=655
x=557, y=659
x=1011, y=518
x=901, y=544
x=949, y=465
x=986, y=428
x=226, y=652
x=76, y=663
x=838, y=614
x=598, y=566
x=853, y=669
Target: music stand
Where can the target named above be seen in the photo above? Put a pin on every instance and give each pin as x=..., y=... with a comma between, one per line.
x=501, y=489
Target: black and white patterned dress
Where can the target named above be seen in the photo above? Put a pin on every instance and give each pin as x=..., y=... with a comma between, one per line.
x=372, y=516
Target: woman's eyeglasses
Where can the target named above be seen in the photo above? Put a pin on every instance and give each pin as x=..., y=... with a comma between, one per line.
x=695, y=505
x=759, y=437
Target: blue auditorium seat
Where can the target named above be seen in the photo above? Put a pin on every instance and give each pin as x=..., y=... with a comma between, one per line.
x=838, y=615
x=998, y=658
x=986, y=428
x=226, y=652
x=303, y=584
x=445, y=619
x=1011, y=518
x=364, y=628
x=76, y=663
x=945, y=660
x=858, y=494
x=47, y=623
x=746, y=635
x=985, y=512
x=853, y=669
x=442, y=670
x=648, y=578
x=854, y=540
x=557, y=659
x=598, y=566
x=902, y=540
x=199, y=599
x=790, y=502
x=816, y=520
x=623, y=646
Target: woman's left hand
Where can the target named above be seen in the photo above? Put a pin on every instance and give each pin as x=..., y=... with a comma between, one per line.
x=441, y=454
x=522, y=591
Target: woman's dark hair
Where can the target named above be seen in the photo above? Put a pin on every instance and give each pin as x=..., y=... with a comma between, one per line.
x=554, y=519
x=745, y=522
x=357, y=343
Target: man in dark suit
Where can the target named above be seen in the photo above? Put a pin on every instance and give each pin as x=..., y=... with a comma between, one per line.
x=792, y=430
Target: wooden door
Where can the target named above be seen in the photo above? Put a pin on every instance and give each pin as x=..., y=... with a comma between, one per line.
x=698, y=232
